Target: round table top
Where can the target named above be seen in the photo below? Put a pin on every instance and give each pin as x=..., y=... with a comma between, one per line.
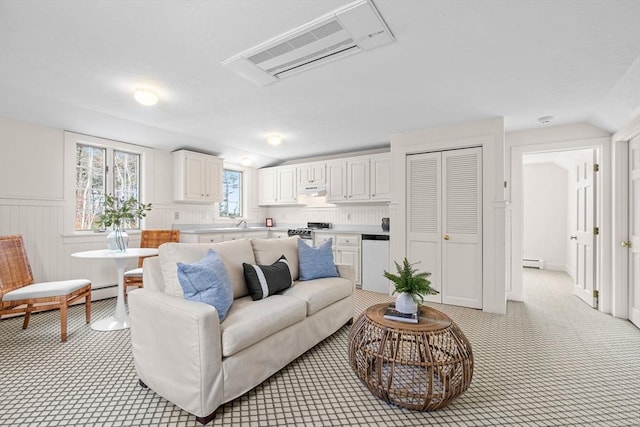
x=430, y=319
x=106, y=253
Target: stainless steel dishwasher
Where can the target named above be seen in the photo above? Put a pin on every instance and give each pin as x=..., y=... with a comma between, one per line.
x=375, y=259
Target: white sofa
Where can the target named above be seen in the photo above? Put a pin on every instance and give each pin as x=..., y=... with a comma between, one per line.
x=185, y=354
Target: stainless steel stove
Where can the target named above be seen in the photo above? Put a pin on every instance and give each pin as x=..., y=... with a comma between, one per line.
x=305, y=232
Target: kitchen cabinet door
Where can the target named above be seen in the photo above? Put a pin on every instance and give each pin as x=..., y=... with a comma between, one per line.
x=358, y=179
x=287, y=189
x=311, y=174
x=381, y=177
x=267, y=190
x=337, y=181
x=197, y=177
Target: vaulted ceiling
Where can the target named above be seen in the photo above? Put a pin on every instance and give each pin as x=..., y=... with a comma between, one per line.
x=74, y=65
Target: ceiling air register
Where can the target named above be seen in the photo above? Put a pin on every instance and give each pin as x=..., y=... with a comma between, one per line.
x=351, y=29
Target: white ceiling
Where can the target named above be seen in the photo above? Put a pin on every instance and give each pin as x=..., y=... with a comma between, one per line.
x=74, y=65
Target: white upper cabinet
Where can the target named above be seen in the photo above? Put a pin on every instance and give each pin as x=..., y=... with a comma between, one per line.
x=311, y=174
x=353, y=179
x=267, y=190
x=277, y=186
x=348, y=180
x=337, y=181
x=197, y=177
x=381, y=177
x=287, y=190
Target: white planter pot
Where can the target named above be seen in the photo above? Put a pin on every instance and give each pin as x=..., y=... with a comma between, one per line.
x=406, y=304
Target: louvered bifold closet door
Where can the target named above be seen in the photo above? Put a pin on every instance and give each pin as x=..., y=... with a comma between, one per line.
x=462, y=227
x=424, y=216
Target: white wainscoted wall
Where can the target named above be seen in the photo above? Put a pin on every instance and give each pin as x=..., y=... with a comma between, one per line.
x=36, y=201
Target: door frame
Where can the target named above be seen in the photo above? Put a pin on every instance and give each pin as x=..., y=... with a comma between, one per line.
x=620, y=229
x=489, y=134
x=515, y=289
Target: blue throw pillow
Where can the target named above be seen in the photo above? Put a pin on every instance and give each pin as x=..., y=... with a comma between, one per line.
x=316, y=262
x=207, y=281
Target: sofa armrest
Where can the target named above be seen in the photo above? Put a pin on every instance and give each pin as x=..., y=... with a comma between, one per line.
x=177, y=349
x=346, y=271
x=152, y=275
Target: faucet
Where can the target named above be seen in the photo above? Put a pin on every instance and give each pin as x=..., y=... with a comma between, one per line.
x=242, y=223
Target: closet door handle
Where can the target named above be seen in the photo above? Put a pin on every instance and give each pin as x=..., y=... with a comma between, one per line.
x=573, y=237
x=445, y=237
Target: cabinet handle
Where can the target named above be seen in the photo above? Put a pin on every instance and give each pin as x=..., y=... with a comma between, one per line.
x=345, y=197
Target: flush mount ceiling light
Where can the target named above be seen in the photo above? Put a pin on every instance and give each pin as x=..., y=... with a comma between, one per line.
x=145, y=96
x=245, y=161
x=274, y=139
x=545, y=120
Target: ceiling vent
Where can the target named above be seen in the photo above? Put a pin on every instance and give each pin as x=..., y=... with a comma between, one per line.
x=355, y=27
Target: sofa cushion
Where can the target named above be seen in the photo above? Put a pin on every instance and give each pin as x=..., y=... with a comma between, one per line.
x=316, y=262
x=250, y=321
x=267, y=251
x=266, y=280
x=207, y=281
x=233, y=254
x=320, y=293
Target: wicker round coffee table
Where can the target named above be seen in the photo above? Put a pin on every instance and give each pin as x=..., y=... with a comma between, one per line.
x=421, y=366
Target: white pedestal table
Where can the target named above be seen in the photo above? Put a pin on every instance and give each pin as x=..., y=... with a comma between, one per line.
x=120, y=318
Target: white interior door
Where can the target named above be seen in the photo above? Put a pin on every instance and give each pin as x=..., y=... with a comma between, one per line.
x=444, y=233
x=585, y=235
x=424, y=217
x=462, y=227
x=634, y=231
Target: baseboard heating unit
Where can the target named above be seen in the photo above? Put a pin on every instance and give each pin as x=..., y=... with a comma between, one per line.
x=533, y=263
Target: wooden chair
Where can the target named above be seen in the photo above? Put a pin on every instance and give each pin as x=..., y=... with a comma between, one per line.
x=148, y=239
x=20, y=294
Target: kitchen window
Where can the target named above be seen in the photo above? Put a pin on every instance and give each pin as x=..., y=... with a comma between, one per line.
x=231, y=203
x=102, y=170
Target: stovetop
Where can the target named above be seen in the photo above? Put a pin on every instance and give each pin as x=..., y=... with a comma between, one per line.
x=306, y=231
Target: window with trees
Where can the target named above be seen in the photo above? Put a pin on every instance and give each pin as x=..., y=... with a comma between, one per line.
x=231, y=204
x=100, y=171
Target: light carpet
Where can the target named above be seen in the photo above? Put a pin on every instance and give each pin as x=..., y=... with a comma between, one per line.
x=550, y=361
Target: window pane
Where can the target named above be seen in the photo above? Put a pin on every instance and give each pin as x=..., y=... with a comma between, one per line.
x=126, y=178
x=90, y=184
x=231, y=204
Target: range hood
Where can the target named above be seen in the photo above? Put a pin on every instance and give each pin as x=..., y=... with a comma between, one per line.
x=312, y=190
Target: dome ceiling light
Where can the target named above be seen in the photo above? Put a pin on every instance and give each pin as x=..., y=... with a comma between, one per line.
x=145, y=96
x=274, y=139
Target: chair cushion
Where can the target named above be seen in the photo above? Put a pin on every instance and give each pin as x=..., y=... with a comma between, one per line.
x=267, y=251
x=45, y=289
x=320, y=293
x=207, y=281
x=265, y=280
x=251, y=321
x=233, y=254
x=137, y=272
x=316, y=262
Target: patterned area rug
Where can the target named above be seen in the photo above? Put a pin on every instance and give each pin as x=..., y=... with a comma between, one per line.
x=550, y=361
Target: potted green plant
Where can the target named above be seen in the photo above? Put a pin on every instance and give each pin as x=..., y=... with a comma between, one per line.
x=411, y=285
x=118, y=213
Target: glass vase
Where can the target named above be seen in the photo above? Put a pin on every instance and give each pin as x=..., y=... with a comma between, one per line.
x=117, y=240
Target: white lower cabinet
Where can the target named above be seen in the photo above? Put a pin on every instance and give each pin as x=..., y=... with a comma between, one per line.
x=346, y=250
x=202, y=238
x=278, y=234
x=223, y=237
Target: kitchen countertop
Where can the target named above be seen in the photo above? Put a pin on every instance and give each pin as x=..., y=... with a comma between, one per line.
x=346, y=229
